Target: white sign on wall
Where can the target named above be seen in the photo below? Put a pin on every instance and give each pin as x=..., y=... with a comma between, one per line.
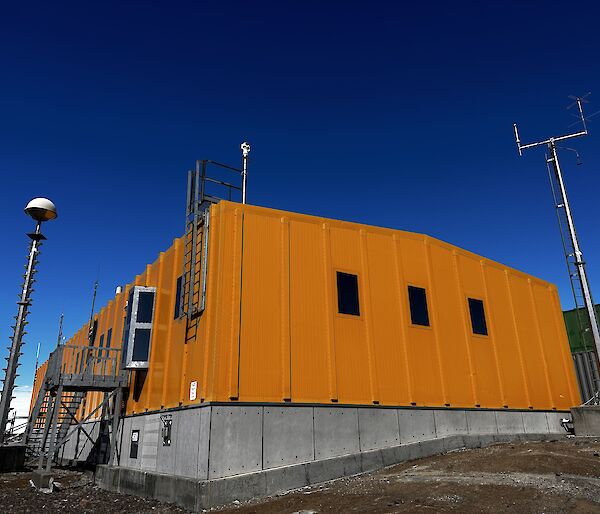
x=193, y=390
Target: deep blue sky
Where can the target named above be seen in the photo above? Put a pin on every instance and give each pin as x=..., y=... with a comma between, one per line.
x=390, y=113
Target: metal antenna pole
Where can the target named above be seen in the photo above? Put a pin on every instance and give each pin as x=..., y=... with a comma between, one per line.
x=19, y=328
x=37, y=360
x=577, y=255
x=245, y=147
x=573, y=254
x=91, y=323
x=60, y=329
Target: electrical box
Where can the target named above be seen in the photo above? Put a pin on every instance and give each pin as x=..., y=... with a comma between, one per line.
x=167, y=424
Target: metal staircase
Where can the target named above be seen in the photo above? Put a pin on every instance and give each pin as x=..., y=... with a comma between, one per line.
x=58, y=411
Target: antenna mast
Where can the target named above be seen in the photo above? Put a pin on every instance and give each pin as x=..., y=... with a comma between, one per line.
x=584, y=304
x=37, y=360
x=60, y=329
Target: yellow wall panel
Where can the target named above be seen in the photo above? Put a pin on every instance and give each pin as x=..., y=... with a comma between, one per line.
x=351, y=354
x=309, y=313
x=529, y=340
x=506, y=338
x=561, y=393
x=455, y=341
x=387, y=321
x=260, y=337
x=481, y=346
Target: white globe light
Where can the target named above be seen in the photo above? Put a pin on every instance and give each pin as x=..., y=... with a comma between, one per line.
x=41, y=209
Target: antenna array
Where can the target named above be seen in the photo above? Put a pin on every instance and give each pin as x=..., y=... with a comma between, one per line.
x=584, y=304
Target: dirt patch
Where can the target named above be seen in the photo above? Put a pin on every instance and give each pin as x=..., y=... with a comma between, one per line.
x=575, y=456
x=549, y=477
x=76, y=495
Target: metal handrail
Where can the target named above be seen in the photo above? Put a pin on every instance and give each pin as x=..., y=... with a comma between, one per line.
x=93, y=360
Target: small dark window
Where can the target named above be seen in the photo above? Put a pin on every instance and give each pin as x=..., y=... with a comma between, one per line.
x=145, y=304
x=478, y=317
x=177, y=299
x=417, y=298
x=347, y=288
x=135, y=441
x=101, y=343
x=141, y=344
x=108, y=337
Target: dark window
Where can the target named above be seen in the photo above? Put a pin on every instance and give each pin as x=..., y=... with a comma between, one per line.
x=135, y=441
x=417, y=298
x=144, y=310
x=101, y=343
x=141, y=344
x=177, y=299
x=76, y=370
x=347, y=288
x=477, y=317
x=108, y=337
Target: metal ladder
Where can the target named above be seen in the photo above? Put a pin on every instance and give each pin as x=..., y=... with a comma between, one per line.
x=195, y=259
x=205, y=186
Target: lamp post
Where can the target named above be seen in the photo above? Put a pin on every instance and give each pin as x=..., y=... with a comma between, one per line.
x=40, y=209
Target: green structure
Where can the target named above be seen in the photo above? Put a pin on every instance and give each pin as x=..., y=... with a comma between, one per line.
x=576, y=341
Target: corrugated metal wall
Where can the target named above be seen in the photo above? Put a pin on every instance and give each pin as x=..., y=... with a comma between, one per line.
x=576, y=341
x=272, y=332
x=288, y=340
x=586, y=370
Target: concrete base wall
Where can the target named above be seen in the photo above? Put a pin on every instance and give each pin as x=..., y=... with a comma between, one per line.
x=213, y=442
x=218, y=441
x=195, y=494
x=586, y=420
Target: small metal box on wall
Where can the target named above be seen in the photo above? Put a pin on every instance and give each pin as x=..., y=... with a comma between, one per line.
x=137, y=332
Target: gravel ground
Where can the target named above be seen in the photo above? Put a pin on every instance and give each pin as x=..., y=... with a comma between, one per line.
x=547, y=477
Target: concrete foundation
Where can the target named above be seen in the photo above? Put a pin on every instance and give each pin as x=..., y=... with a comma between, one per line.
x=196, y=494
x=586, y=420
x=41, y=479
x=214, y=441
x=221, y=450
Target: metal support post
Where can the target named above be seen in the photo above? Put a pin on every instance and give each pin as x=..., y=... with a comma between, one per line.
x=118, y=398
x=49, y=410
x=245, y=147
x=55, y=412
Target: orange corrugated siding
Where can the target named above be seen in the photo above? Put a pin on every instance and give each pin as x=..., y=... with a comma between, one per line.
x=37, y=383
x=271, y=330
x=292, y=343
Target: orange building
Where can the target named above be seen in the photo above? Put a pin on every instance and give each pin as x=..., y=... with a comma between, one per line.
x=275, y=328
x=290, y=314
